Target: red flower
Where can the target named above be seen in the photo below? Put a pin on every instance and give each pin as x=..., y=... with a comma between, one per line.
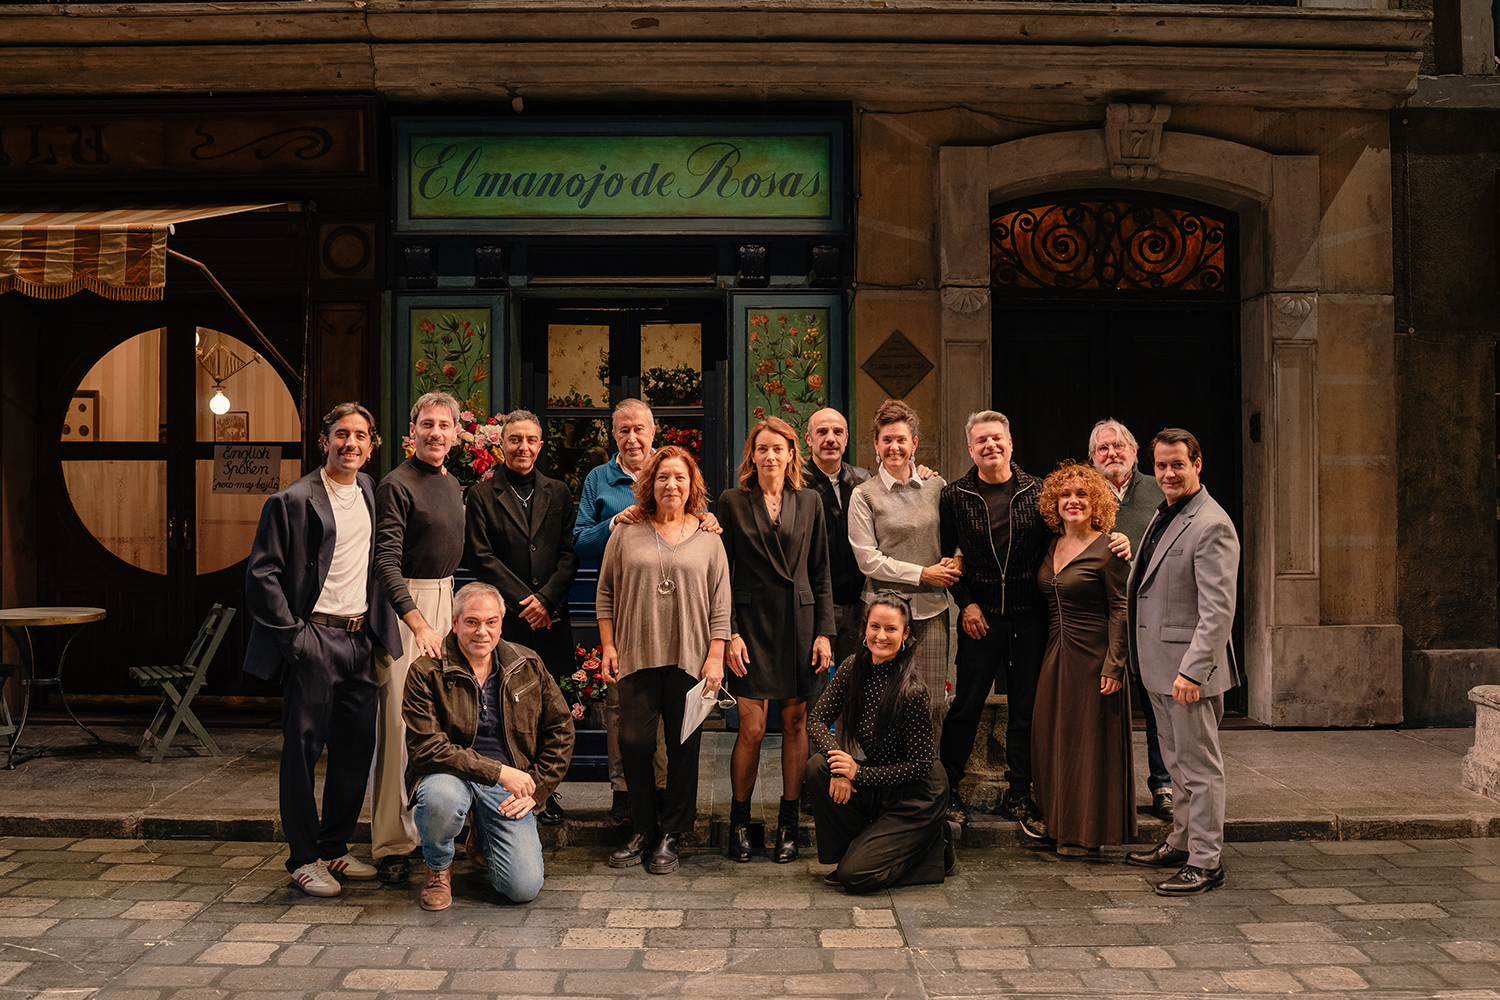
x=815, y=381
x=781, y=320
x=427, y=326
x=759, y=413
x=449, y=371
x=791, y=362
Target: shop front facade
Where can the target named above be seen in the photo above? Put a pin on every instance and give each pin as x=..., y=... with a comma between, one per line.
x=1061, y=212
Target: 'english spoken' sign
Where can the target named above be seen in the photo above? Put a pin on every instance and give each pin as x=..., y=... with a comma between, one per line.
x=249, y=469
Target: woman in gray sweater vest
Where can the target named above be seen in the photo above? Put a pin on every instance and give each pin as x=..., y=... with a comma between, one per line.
x=663, y=609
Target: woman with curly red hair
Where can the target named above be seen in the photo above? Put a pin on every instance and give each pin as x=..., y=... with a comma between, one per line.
x=1080, y=736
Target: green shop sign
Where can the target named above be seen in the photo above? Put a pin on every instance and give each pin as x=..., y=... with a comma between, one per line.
x=690, y=178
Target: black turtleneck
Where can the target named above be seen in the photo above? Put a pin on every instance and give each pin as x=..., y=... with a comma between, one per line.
x=520, y=480
x=419, y=529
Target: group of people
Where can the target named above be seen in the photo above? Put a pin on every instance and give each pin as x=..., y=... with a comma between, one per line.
x=814, y=585
x=443, y=703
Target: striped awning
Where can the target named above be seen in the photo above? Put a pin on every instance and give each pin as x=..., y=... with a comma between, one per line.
x=117, y=253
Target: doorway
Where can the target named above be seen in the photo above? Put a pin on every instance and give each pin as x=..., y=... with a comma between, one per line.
x=130, y=520
x=581, y=357
x=1120, y=304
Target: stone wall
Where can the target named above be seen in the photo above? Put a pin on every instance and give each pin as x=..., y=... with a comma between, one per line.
x=1313, y=192
x=1447, y=319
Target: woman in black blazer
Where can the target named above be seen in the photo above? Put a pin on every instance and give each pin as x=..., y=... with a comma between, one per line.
x=783, y=619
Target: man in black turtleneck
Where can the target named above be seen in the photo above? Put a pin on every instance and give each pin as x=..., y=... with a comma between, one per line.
x=518, y=538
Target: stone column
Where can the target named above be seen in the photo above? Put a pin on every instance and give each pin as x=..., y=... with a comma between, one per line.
x=1480, y=770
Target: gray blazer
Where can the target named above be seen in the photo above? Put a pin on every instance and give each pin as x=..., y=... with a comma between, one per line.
x=1183, y=611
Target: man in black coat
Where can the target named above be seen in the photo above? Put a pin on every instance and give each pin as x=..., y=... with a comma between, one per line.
x=518, y=538
x=318, y=615
x=835, y=479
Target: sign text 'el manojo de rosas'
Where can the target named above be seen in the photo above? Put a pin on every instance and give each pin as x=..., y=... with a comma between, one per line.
x=619, y=177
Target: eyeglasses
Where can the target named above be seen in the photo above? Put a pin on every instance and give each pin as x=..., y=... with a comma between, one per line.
x=1104, y=449
x=721, y=697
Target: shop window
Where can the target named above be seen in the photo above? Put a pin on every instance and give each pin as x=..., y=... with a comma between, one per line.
x=123, y=501
x=260, y=409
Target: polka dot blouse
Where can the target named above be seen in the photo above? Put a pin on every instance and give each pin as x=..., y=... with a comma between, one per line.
x=904, y=753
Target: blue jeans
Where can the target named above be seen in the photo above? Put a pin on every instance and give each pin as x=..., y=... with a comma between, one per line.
x=512, y=847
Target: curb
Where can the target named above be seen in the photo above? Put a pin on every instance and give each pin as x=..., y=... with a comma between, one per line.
x=594, y=830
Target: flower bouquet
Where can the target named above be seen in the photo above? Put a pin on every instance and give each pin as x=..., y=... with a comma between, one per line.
x=584, y=688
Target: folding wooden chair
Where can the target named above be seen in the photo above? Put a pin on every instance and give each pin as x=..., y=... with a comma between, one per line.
x=7, y=724
x=192, y=671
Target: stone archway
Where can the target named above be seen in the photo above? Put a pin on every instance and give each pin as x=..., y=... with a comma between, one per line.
x=1301, y=669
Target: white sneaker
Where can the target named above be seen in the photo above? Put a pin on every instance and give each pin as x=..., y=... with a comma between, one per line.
x=350, y=867
x=313, y=878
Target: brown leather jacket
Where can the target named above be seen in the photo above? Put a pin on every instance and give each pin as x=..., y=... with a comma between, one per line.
x=441, y=711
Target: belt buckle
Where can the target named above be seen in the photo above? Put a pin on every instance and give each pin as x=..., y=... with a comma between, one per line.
x=354, y=624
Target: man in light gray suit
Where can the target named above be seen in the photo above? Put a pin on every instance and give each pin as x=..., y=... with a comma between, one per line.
x=1181, y=596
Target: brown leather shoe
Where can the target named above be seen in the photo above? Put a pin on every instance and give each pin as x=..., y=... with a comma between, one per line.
x=437, y=889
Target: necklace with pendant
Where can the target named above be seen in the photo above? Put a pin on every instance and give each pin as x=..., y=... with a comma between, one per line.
x=667, y=587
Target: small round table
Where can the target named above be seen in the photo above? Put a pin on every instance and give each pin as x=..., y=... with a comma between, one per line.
x=19, y=622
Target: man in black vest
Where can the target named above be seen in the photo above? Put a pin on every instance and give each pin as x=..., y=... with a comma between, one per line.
x=518, y=538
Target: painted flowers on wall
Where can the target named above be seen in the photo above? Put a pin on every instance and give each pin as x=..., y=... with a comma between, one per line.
x=787, y=365
x=450, y=352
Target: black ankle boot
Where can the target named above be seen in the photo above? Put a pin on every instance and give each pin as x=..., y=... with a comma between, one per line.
x=786, y=844
x=664, y=855
x=738, y=847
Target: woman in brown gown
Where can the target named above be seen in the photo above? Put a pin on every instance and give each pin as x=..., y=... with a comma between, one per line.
x=1081, y=724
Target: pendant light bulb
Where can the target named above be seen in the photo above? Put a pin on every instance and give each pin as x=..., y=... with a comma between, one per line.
x=220, y=403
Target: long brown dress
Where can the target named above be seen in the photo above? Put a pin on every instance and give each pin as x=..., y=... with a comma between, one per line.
x=1082, y=772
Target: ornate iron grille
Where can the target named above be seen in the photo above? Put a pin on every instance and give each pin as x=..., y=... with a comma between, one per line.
x=1108, y=243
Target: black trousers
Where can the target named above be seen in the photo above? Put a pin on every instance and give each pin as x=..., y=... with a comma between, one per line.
x=646, y=696
x=882, y=837
x=1016, y=648
x=328, y=700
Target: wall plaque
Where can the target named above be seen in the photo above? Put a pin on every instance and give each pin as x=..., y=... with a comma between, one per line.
x=897, y=365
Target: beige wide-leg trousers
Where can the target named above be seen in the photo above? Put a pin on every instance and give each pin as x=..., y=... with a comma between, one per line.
x=392, y=829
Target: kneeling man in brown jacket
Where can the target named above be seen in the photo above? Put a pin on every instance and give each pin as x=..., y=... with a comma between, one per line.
x=488, y=735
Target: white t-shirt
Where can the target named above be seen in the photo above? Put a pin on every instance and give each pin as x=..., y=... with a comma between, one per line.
x=345, y=591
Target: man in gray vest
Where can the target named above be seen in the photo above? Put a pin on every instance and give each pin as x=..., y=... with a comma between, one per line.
x=1113, y=451
x=1181, y=597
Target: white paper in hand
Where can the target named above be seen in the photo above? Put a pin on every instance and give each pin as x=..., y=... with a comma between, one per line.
x=699, y=702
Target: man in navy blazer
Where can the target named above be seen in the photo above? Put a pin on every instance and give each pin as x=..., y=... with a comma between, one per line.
x=1181, y=597
x=318, y=616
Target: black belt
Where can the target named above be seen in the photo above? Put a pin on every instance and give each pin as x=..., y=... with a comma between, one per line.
x=335, y=621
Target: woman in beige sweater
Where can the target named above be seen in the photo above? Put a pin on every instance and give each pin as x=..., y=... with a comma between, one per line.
x=663, y=608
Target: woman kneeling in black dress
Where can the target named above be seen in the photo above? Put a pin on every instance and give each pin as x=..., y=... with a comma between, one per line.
x=879, y=819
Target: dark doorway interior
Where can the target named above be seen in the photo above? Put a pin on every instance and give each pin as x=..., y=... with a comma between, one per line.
x=1123, y=305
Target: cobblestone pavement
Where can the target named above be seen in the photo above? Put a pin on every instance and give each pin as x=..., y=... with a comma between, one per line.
x=194, y=920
